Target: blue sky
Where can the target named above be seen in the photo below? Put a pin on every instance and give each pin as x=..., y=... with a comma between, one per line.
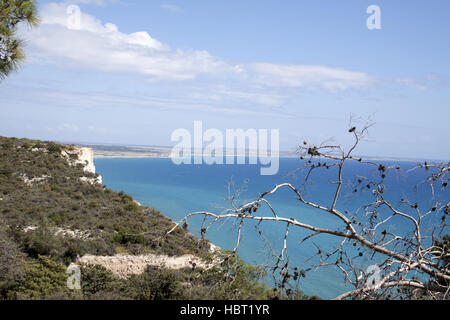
x=134, y=71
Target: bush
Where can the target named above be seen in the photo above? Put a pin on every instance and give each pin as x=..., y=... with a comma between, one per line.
x=128, y=236
x=155, y=284
x=42, y=279
x=98, y=282
x=236, y=280
x=131, y=207
x=54, y=147
x=93, y=204
x=125, y=197
x=41, y=242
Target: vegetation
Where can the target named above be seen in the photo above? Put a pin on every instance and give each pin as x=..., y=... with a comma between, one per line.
x=42, y=278
x=58, y=199
x=49, y=217
x=12, y=12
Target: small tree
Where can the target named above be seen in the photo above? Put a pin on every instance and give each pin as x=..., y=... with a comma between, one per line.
x=42, y=279
x=12, y=12
x=410, y=265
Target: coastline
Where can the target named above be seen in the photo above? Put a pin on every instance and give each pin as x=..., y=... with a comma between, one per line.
x=128, y=154
x=124, y=151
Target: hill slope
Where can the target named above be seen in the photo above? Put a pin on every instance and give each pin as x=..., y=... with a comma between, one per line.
x=54, y=212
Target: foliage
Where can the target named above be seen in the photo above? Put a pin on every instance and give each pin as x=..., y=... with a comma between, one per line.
x=12, y=12
x=156, y=284
x=42, y=279
x=41, y=242
x=233, y=279
x=99, y=283
x=128, y=236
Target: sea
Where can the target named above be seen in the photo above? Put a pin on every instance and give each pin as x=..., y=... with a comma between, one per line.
x=177, y=190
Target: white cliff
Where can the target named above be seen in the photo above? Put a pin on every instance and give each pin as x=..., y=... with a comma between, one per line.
x=85, y=157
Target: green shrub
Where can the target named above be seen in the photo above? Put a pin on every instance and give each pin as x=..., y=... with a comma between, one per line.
x=236, y=280
x=42, y=278
x=131, y=207
x=155, y=284
x=41, y=242
x=93, y=204
x=125, y=197
x=54, y=147
x=97, y=282
x=128, y=236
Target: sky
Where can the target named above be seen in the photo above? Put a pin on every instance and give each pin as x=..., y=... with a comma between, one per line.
x=132, y=72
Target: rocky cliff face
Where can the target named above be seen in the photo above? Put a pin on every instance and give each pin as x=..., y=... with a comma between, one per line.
x=86, y=155
x=86, y=158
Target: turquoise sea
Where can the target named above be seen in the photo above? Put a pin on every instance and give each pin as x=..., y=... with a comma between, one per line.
x=177, y=190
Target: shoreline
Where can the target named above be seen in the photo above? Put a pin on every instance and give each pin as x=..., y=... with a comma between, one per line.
x=122, y=151
x=129, y=157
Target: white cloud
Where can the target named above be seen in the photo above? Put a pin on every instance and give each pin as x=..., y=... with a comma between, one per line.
x=238, y=96
x=101, y=46
x=428, y=82
x=171, y=7
x=65, y=127
x=412, y=83
x=271, y=74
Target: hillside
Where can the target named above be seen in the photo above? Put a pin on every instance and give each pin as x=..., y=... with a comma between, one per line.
x=54, y=212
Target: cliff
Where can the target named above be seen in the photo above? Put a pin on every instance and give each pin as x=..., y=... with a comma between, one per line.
x=85, y=157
